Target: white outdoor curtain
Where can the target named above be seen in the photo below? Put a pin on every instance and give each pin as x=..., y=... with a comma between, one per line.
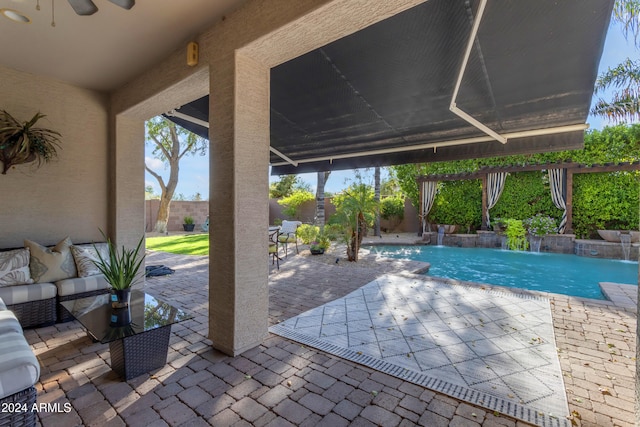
x=557, y=181
x=428, y=196
x=495, y=185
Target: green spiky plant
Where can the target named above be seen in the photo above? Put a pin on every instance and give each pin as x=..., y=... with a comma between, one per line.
x=120, y=268
x=23, y=143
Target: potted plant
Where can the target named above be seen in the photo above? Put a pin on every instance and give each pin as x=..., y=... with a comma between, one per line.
x=23, y=143
x=188, y=224
x=120, y=269
x=539, y=225
x=319, y=245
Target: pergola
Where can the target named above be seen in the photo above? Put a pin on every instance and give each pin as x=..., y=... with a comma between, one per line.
x=493, y=178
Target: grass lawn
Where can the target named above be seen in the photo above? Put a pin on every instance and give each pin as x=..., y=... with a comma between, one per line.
x=192, y=244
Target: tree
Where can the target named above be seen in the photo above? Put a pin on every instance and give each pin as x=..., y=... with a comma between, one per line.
x=286, y=185
x=355, y=209
x=322, y=180
x=170, y=144
x=624, y=79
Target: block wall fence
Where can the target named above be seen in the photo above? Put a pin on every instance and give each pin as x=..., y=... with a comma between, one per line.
x=200, y=209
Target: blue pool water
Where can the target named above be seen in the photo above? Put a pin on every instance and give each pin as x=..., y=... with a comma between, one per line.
x=546, y=272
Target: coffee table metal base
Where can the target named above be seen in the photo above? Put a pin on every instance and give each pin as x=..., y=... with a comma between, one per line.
x=138, y=354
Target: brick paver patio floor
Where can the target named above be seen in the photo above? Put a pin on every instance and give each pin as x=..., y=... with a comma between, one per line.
x=281, y=383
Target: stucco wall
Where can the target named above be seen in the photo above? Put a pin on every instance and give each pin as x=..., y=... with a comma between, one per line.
x=67, y=197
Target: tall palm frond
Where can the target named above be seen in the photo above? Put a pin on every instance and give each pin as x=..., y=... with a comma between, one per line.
x=627, y=13
x=626, y=75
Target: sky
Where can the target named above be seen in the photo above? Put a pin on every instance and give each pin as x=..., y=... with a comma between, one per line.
x=194, y=170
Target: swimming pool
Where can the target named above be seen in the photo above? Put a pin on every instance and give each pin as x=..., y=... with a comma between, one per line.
x=546, y=272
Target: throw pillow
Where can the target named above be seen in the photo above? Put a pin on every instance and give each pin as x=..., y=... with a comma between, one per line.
x=14, y=267
x=85, y=257
x=51, y=264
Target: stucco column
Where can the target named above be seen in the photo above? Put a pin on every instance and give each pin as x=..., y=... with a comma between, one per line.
x=126, y=181
x=239, y=210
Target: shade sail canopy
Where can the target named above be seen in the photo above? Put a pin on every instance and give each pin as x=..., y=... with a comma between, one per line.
x=445, y=80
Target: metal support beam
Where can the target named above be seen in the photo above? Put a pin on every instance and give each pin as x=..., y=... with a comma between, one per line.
x=453, y=107
x=435, y=145
x=174, y=113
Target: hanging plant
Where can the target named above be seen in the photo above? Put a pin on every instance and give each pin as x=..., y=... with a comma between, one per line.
x=23, y=143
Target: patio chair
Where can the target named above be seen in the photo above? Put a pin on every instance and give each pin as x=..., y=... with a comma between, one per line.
x=288, y=235
x=273, y=247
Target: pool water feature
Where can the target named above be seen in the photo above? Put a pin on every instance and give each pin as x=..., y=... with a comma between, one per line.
x=545, y=272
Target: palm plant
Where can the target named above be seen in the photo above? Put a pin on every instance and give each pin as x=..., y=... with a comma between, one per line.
x=23, y=143
x=624, y=79
x=355, y=208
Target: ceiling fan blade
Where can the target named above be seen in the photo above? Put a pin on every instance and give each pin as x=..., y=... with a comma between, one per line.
x=83, y=7
x=127, y=4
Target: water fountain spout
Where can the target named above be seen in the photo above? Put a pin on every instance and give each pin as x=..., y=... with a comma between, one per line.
x=534, y=243
x=625, y=242
x=440, y=234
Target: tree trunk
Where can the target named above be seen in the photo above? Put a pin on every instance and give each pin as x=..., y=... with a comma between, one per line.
x=320, y=217
x=166, y=196
x=353, y=246
x=163, y=215
x=376, y=198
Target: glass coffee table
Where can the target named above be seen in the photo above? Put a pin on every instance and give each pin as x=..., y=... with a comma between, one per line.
x=138, y=336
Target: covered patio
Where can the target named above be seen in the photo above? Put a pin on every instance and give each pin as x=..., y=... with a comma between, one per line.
x=282, y=382
x=223, y=363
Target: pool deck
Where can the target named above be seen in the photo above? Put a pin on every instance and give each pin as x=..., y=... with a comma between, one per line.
x=281, y=383
x=621, y=295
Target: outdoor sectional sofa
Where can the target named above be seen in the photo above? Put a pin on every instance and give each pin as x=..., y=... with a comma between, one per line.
x=19, y=371
x=35, y=279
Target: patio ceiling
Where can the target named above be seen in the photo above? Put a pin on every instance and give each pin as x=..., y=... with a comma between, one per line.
x=445, y=80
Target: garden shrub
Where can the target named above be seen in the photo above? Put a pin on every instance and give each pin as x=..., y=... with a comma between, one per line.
x=516, y=235
x=308, y=233
x=294, y=201
x=392, y=207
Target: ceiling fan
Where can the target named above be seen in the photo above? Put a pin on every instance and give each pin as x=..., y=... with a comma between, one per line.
x=87, y=7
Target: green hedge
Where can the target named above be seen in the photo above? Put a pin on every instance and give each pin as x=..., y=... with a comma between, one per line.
x=458, y=202
x=605, y=201
x=525, y=194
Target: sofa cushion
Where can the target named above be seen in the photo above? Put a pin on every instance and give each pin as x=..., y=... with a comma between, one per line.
x=86, y=255
x=81, y=284
x=19, y=294
x=9, y=322
x=19, y=368
x=51, y=264
x=14, y=267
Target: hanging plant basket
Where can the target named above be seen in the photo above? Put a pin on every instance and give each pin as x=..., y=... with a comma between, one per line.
x=22, y=143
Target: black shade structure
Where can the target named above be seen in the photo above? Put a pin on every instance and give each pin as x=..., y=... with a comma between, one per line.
x=445, y=80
